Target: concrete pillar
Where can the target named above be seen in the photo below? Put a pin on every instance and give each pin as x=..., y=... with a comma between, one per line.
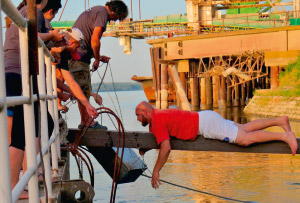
x=183, y=81
x=222, y=103
x=223, y=112
x=164, y=86
x=228, y=93
x=126, y=42
x=249, y=90
x=208, y=92
x=296, y=7
x=203, y=93
x=206, y=14
x=236, y=94
x=194, y=93
x=215, y=87
x=184, y=103
x=236, y=115
x=243, y=98
x=274, y=77
x=192, y=8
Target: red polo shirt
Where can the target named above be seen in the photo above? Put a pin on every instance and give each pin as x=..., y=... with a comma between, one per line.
x=183, y=125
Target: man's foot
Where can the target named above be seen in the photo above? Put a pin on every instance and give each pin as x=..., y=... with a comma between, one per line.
x=95, y=126
x=285, y=123
x=291, y=140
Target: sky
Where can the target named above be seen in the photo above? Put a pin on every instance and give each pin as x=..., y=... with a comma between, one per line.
x=124, y=66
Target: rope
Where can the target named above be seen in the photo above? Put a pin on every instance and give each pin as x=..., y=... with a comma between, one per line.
x=113, y=82
x=199, y=191
x=63, y=10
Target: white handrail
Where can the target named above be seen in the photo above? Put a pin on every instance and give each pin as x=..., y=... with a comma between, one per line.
x=5, y=183
x=27, y=99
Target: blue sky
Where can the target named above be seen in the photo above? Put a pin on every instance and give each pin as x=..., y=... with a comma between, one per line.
x=125, y=66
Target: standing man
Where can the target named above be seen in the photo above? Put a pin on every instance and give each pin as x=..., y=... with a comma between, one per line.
x=92, y=24
x=186, y=125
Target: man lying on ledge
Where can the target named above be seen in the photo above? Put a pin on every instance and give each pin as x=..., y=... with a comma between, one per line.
x=186, y=125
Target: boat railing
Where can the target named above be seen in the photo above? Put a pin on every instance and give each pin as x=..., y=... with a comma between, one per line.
x=47, y=95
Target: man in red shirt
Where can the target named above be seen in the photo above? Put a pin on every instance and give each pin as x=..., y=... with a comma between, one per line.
x=186, y=125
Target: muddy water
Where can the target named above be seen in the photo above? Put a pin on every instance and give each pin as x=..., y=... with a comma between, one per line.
x=245, y=177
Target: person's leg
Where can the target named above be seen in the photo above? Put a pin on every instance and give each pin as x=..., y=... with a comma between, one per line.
x=83, y=114
x=261, y=124
x=81, y=74
x=9, y=126
x=16, y=158
x=247, y=138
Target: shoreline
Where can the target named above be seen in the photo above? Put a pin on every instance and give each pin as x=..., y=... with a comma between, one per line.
x=273, y=106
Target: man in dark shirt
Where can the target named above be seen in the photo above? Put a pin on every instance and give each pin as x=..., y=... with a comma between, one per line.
x=92, y=24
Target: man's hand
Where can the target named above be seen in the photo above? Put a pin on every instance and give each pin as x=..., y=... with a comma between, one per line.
x=56, y=55
x=57, y=49
x=155, y=182
x=64, y=96
x=143, y=151
x=95, y=65
x=104, y=59
x=98, y=99
x=56, y=36
x=91, y=111
x=63, y=108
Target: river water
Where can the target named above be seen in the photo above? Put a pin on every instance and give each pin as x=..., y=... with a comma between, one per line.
x=268, y=178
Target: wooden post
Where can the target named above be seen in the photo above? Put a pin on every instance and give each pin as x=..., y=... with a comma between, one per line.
x=243, y=98
x=215, y=87
x=228, y=93
x=229, y=113
x=158, y=80
x=164, y=86
x=183, y=81
x=203, y=93
x=223, y=112
x=223, y=93
x=208, y=93
x=274, y=77
x=179, y=88
x=236, y=94
x=236, y=115
x=249, y=90
x=194, y=93
x=152, y=55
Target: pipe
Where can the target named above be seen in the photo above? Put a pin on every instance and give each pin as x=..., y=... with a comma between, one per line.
x=5, y=181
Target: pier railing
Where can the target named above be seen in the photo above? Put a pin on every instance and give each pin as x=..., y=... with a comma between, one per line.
x=47, y=96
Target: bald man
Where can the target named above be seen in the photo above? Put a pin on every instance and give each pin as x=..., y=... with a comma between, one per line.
x=186, y=125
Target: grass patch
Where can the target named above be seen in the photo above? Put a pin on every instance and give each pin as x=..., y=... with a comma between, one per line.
x=289, y=82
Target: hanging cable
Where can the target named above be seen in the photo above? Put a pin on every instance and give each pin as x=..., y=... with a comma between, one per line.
x=191, y=189
x=113, y=83
x=63, y=10
x=140, y=14
x=199, y=191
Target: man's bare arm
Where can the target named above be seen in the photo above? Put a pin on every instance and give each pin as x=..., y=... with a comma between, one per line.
x=96, y=44
x=165, y=149
x=76, y=90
